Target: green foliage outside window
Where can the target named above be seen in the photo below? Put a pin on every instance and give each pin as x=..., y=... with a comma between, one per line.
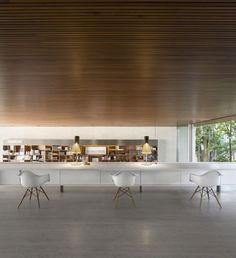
x=216, y=142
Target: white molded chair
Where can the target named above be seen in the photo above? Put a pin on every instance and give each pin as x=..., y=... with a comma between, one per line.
x=124, y=180
x=33, y=183
x=204, y=183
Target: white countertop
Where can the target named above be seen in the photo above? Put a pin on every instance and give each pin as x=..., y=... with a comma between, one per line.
x=122, y=165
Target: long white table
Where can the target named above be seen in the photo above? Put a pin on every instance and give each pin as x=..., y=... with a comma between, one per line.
x=99, y=173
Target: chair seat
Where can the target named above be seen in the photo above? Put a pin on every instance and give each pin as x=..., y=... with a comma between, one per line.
x=210, y=178
x=124, y=179
x=29, y=179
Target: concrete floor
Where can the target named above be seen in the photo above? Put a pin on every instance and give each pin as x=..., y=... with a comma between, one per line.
x=83, y=222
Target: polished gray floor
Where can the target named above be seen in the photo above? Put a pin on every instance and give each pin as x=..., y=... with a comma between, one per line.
x=83, y=222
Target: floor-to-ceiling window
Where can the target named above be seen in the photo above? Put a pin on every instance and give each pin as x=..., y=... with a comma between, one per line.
x=216, y=142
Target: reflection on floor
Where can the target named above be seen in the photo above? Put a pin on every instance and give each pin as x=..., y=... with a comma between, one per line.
x=83, y=222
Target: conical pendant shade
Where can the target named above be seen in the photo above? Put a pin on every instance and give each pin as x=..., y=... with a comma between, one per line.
x=75, y=147
x=146, y=149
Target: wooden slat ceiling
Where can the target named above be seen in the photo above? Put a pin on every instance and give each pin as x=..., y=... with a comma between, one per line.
x=113, y=63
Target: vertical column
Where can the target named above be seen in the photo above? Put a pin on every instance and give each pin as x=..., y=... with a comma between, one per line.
x=183, y=144
x=191, y=142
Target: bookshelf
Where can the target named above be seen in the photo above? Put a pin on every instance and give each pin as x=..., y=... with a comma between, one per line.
x=125, y=152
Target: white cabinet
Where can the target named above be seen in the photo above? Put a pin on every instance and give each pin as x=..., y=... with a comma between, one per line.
x=155, y=177
x=100, y=173
x=9, y=177
x=80, y=177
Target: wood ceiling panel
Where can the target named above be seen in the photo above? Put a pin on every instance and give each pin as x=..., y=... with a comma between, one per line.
x=116, y=63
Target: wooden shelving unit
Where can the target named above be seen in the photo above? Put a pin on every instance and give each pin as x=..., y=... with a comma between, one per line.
x=36, y=153
x=123, y=153
x=118, y=153
x=58, y=153
x=62, y=153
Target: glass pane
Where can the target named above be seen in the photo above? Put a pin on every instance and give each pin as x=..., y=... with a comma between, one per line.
x=216, y=142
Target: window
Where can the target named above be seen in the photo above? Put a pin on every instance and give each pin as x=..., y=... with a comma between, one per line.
x=216, y=142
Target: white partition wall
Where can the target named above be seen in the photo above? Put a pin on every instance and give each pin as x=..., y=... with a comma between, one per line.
x=184, y=143
x=167, y=137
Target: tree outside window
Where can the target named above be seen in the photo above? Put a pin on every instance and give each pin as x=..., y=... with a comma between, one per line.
x=216, y=142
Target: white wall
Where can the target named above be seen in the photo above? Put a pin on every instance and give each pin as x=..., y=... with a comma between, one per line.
x=167, y=143
x=183, y=144
x=166, y=135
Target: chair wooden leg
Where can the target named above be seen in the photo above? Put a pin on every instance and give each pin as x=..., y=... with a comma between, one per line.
x=44, y=192
x=208, y=195
x=216, y=198
x=116, y=193
x=201, y=197
x=23, y=198
x=31, y=192
x=131, y=196
x=117, y=196
x=37, y=192
x=196, y=190
x=123, y=191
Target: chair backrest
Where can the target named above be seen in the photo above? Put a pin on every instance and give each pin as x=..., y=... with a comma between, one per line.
x=29, y=179
x=210, y=178
x=124, y=179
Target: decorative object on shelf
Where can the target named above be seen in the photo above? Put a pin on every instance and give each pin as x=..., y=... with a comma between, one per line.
x=146, y=149
x=76, y=148
x=95, y=150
